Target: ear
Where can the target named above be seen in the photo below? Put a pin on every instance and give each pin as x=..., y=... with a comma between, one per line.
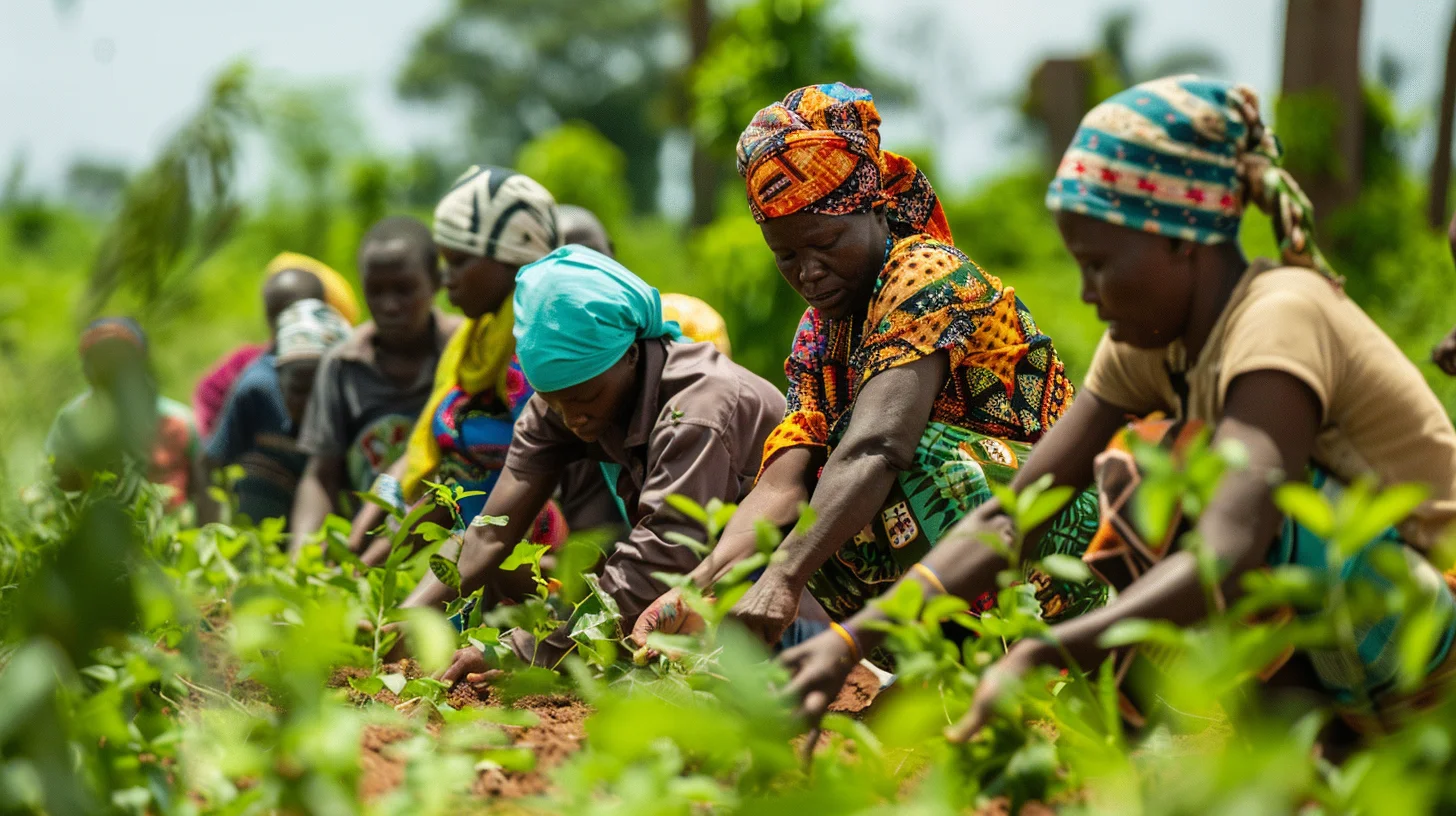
x=630, y=358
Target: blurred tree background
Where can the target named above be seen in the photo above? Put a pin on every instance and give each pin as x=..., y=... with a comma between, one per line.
x=593, y=99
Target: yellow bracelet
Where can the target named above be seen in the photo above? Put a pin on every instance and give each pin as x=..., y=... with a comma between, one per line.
x=848, y=638
x=929, y=575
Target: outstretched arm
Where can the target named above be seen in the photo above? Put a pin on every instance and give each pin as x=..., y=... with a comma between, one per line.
x=1275, y=417
x=890, y=414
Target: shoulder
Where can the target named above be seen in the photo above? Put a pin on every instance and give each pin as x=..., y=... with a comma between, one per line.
x=260, y=375
x=924, y=267
x=1295, y=282
x=707, y=388
x=1288, y=302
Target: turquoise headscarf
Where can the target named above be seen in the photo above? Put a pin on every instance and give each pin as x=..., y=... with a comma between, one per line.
x=577, y=313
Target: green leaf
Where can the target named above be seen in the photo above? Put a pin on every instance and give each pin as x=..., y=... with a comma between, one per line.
x=379, y=501
x=1044, y=506
x=432, y=639
x=407, y=526
x=1386, y=510
x=524, y=554
x=394, y=681
x=1066, y=568
x=432, y=532
x=367, y=685
x=1137, y=630
x=684, y=540
x=688, y=508
x=942, y=607
x=445, y=570
x=1307, y=506
x=483, y=520
x=767, y=537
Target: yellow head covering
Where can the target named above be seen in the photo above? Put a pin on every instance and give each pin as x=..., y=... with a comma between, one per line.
x=697, y=320
x=337, y=291
x=476, y=358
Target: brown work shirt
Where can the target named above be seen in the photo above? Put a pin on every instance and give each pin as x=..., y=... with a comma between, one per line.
x=358, y=413
x=697, y=430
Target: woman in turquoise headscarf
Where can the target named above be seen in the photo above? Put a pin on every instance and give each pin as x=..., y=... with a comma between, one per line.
x=616, y=385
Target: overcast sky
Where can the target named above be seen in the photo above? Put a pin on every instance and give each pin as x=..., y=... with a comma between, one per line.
x=108, y=78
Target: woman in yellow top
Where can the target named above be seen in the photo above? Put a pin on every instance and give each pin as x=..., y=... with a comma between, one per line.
x=1272, y=356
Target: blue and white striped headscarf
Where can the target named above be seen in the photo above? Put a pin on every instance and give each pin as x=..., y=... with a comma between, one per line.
x=1182, y=156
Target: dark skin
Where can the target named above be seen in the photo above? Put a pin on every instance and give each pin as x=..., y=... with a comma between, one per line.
x=602, y=404
x=1150, y=288
x=295, y=379
x=399, y=288
x=477, y=286
x=285, y=289
x=832, y=262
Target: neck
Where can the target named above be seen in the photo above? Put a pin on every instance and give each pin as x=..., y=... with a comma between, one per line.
x=419, y=341
x=1217, y=270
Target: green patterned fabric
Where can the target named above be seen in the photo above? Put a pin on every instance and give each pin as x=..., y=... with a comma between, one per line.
x=950, y=477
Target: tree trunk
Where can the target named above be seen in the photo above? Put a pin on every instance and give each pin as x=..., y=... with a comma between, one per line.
x=1059, y=90
x=1441, y=165
x=1322, y=55
x=704, y=169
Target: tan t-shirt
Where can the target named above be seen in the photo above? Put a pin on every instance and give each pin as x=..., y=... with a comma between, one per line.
x=1378, y=415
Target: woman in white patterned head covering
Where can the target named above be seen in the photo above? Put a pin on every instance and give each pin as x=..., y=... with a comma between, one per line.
x=491, y=223
x=306, y=330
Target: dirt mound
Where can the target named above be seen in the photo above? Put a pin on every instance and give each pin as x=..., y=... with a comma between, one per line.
x=560, y=732
x=859, y=690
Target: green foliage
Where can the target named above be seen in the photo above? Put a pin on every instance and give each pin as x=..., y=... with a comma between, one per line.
x=525, y=66
x=763, y=50
x=580, y=166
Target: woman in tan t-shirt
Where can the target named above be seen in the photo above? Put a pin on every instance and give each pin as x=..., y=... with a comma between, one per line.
x=1275, y=357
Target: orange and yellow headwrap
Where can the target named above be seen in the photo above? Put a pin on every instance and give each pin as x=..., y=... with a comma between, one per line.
x=819, y=151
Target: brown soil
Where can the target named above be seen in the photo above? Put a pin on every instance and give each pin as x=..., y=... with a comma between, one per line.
x=859, y=690
x=559, y=733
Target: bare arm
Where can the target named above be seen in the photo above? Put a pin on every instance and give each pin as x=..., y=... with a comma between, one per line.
x=320, y=483
x=1275, y=417
x=782, y=487
x=371, y=515
x=890, y=415
x=517, y=496
x=962, y=561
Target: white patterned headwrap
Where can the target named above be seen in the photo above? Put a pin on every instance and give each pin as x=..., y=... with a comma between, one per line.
x=307, y=329
x=496, y=213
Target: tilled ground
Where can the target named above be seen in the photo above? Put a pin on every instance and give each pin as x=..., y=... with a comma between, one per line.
x=559, y=732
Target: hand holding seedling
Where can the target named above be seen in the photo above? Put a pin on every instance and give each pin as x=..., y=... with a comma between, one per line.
x=670, y=614
x=468, y=664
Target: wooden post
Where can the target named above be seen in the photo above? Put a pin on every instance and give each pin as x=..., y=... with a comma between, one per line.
x=1322, y=55
x=1441, y=165
x=1059, y=100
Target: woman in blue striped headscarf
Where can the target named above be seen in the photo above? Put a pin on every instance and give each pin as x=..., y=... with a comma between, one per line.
x=1271, y=356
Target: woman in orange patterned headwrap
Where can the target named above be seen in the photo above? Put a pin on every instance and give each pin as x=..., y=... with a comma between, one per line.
x=915, y=375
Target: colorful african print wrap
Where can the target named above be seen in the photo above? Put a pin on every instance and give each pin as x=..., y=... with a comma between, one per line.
x=1005, y=380
x=1182, y=156
x=951, y=476
x=819, y=151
